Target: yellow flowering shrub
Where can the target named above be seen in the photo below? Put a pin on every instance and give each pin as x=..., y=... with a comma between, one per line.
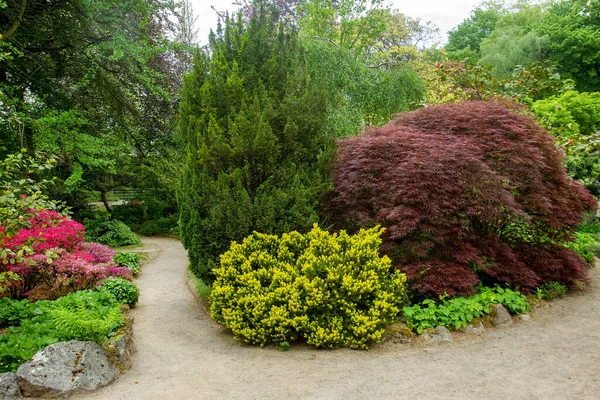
x=329, y=290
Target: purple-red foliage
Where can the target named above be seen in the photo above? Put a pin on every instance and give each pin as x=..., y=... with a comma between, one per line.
x=446, y=181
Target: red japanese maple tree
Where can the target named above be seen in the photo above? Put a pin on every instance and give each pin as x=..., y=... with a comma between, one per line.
x=469, y=192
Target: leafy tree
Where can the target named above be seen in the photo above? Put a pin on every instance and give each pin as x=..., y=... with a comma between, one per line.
x=573, y=27
x=403, y=39
x=351, y=24
x=358, y=95
x=513, y=42
x=252, y=123
x=465, y=40
x=91, y=82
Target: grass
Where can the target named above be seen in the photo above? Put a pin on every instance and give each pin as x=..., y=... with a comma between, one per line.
x=202, y=288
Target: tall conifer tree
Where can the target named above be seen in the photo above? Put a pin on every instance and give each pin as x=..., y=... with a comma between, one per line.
x=252, y=123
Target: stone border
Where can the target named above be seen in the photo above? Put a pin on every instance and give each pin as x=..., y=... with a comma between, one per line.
x=29, y=378
x=498, y=317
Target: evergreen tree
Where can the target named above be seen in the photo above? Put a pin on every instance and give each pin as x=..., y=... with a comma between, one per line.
x=251, y=118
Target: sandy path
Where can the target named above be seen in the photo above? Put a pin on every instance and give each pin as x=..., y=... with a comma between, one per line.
x=182, y=354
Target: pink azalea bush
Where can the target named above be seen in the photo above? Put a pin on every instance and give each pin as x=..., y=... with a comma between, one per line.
x=51, y=258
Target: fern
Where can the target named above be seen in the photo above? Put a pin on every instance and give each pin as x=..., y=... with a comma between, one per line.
x=75, y=319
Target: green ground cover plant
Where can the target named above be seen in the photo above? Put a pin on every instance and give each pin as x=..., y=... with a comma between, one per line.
x=31, y=326
x=457, y=312
x=551, y=291
x=128, y=259
x=331, y=290
x=122, y=290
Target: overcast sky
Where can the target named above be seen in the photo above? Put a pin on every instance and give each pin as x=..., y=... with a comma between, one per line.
x=445, y=14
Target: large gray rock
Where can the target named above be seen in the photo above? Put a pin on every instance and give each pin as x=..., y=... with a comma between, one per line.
x=9, y=386
x=63, y=369
x=500, y=316
x=439, y=335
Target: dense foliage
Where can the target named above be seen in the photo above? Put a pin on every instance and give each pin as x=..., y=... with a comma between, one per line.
x=574, y=119
x=121, y=289
x=22, y=190
x=329, y=290
x=506, y=35
x=469, y=192
x=251, y=120
x=51, y=259
x=110, y=232
x=128, y=259
x=459, y=311
x=95, y=84
x=31, y=326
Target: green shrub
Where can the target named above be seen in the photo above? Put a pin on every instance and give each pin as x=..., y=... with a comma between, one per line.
x=128, y=259
x=32, y=326
x=110, y=232
x=585, y=244
x=458, y=311
x=122, y=290
x=161, y=226
x=551, y=291
x=330, y=290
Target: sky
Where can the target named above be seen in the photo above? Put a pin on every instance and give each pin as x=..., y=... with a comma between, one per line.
x=445, y=14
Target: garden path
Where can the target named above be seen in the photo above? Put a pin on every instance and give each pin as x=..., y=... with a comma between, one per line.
x=182, y=354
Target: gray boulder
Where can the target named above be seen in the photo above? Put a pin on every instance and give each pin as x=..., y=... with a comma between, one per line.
x=63, y=369
x=9, y=386
x=474, y=327
x=439, y=335
x=500, y=316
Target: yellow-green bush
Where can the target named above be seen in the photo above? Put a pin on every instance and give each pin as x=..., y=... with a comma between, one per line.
x=330, y=290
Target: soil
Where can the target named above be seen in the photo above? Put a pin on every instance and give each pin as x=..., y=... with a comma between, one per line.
x=182, y=354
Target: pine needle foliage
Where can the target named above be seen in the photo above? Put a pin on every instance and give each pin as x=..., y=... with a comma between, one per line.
x=470, y=192
x=251, y=119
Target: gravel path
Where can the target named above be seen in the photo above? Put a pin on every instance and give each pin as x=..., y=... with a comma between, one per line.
x=182, y=354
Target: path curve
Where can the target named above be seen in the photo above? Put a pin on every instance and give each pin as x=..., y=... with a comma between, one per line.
x=182, y=354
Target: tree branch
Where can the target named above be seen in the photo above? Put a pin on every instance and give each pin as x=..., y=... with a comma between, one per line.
x=8, y=33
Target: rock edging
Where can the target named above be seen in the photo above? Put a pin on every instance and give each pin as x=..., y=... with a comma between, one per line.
x=67, y=368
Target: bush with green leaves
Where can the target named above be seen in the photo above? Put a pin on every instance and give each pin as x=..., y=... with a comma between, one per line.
x=31, y=326
x=122, y=290
x=586, y=244
x=331, y=290
x=22, y=189
x=110, y=232
x=574, y=118
x=128, y=259
x=551, y=291
x=457, y=312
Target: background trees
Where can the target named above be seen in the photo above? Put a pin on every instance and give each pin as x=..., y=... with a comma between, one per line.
x=93, y=83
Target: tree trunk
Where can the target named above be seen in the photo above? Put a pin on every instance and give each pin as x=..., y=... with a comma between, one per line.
x=104, y=198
